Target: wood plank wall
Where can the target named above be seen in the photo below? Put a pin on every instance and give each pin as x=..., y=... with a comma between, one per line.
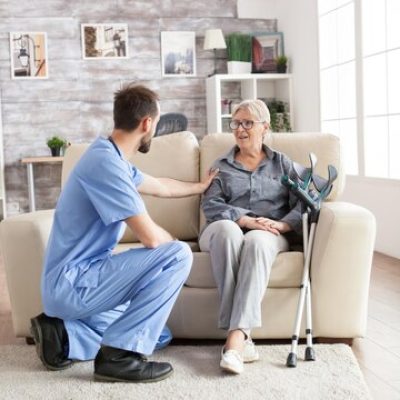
x=76, y=101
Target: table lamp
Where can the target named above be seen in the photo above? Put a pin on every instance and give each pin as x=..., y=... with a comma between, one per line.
x=214, y=39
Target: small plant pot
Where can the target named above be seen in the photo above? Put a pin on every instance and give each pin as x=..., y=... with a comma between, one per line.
x=55, y=151
x=239, y=67
x=281, y=68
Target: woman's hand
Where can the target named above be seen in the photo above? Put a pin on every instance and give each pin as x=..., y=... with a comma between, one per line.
x=249, y=223
x=264, y=224
x=276, y=227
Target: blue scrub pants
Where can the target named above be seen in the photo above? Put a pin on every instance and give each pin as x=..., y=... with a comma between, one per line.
x=123, y=301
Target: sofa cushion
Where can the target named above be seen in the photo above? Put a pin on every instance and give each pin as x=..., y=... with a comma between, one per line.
x=137, y=245
x=172, y=156
x=296, y=145
x=286, y=271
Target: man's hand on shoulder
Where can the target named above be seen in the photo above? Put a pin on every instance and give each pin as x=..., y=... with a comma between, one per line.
x=206, y=182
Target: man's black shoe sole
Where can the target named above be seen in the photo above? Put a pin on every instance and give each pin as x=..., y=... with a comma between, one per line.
x=104, y=378
x=36, y=331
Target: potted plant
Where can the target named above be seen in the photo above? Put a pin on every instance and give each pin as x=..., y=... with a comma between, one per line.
x=281, y=64
x=238, y=46
x=280, y=117
x=55, y=144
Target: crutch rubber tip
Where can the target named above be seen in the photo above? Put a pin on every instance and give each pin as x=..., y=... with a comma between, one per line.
x=310, y=354
x=291, y=361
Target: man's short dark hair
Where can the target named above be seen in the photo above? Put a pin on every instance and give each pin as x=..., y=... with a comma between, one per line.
x=131, y=104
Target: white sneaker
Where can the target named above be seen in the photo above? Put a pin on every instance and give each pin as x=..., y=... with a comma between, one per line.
x=231, y=361
x=250, y=352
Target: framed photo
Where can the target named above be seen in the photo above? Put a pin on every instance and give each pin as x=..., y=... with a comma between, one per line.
x=178, y=53
x=28, y=55
x=266, y=47
x=104, y=41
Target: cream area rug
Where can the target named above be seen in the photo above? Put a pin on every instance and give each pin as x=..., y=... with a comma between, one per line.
x=335, y=375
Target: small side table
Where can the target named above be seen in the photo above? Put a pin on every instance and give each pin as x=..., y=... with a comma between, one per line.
x=29, y=169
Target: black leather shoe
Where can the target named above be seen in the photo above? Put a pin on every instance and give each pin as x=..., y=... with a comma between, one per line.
x=51, y=341
x=118, y=365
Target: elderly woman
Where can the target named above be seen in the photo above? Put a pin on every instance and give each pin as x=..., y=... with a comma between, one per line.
x=248, y=213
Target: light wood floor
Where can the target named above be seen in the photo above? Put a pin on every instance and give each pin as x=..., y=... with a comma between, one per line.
x=378, y=354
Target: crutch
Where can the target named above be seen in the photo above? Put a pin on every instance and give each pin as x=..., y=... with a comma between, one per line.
x=311, y=205
x=304, y=179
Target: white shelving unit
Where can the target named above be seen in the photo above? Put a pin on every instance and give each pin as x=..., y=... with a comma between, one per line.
x=251, y=86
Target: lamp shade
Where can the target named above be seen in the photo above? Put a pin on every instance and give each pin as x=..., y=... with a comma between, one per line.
x=214, y=39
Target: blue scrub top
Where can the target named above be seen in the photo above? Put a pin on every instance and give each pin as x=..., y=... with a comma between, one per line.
x=100, y=193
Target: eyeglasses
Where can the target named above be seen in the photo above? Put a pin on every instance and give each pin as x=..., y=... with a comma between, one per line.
x=246, y=124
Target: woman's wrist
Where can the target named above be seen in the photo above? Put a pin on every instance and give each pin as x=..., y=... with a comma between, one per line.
x=242, y=221
x=285, y=227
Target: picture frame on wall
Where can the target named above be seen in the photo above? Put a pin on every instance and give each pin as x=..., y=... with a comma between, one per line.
x=104, y=41
x=266, y=47
x=178, y=54
x=28, y=52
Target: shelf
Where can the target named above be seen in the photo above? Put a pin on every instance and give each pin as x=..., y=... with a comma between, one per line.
x=243, y=77
x=245, y=86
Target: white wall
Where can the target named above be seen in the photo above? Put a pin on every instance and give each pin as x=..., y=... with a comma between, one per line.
x=257, y=9
x=298, y=20
x=382, y=198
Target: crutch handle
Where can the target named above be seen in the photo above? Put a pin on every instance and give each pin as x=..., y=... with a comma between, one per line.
x=295, y=188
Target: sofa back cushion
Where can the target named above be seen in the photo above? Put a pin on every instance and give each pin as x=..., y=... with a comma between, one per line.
x=295, y=145
x=173, y=156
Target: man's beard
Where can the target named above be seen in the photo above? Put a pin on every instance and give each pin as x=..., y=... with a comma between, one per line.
x=144, y=146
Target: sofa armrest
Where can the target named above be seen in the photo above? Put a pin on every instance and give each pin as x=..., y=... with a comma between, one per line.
x=23, y=241
x=340, y=269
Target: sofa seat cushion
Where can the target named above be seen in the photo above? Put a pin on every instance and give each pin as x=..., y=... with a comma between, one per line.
x=136, y=245
x=286, y=271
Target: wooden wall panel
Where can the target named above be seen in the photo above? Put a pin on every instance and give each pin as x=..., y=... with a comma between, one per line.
x=76, y=100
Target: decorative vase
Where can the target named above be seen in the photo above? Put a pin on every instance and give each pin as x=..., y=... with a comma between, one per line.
x=239, y=67
x=55, y=151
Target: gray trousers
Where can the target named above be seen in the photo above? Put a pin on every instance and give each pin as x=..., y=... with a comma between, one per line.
x=241, y=265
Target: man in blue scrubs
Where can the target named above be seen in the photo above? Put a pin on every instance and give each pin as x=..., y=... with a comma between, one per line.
x=112, y=307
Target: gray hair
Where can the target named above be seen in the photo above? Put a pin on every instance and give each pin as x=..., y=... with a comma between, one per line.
x=257, y=108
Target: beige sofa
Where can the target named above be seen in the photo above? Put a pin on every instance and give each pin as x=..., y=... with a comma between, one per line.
x=341, y=260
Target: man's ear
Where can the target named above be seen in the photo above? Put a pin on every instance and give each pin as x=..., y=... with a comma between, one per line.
x=146, y=123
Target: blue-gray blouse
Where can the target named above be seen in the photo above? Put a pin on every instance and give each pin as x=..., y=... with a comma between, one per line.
x=236, y=191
